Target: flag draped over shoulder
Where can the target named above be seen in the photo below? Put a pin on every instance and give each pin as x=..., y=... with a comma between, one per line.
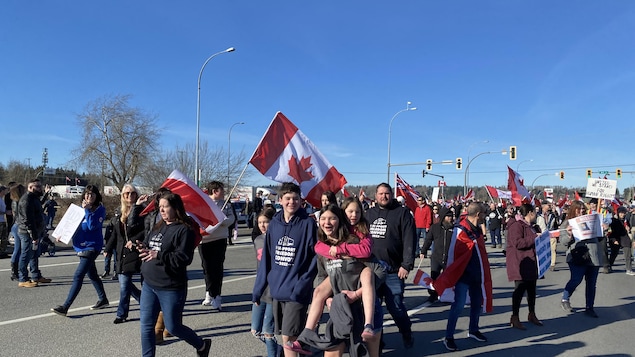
x=198, y=205
x=516, y=184
x=406, y=191
x=285, y=154
x=496, y=193
x=459, y=255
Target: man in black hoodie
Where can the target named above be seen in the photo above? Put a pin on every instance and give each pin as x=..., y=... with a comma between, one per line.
x=392, y=228
x=440, y=234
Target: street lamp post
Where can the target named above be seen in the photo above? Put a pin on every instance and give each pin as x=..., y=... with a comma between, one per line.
x=520, y=163
x=229, y=142
x=390, y=135
x=469, y=151
x=465, y=175
x=197, y=174
x=534, y=181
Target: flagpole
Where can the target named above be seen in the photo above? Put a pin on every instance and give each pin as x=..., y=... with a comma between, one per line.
x=229, y=196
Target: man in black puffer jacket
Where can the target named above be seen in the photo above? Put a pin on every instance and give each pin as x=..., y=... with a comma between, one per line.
x=440, y=234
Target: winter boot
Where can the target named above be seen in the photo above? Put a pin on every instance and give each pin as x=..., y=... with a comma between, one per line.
x=515, y=323
x=533, y=319
x=159, y=327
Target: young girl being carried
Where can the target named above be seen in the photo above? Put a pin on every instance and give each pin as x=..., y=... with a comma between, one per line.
x=336, y=241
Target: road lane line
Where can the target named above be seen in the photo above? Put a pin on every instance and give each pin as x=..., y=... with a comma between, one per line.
x=114, y=302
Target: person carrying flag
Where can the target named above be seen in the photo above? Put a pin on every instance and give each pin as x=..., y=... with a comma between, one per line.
x=468, y=271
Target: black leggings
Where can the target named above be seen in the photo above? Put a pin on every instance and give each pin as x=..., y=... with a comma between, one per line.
x=519, y=291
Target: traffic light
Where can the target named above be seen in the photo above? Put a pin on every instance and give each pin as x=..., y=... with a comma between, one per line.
x=459, y=163
x=429, y=164
x=618, y=173
x=423, y=174
x=512, y=153
x=562, y=175
x=589, y=173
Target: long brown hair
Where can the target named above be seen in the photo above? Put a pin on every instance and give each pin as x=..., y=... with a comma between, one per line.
x=362, y=224
x=342, y=234
x=575, y=205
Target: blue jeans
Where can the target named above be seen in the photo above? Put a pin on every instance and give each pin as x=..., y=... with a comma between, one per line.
x=126, y=289
x=262, y=323
x=27, y=255
x=392, y=293
x=496, y=236
x=85, y=267
x=590, y=274
x=460, y=295
x=421, y=236
x=15, y=257
x=107, y=260
x=172, y=303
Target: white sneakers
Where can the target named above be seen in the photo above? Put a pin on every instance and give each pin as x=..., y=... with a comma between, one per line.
x=214, y=302
x=208, y=299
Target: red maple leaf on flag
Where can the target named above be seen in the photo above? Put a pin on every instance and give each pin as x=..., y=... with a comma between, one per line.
x=298, y=169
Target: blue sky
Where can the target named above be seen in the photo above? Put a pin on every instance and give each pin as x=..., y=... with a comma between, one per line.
x=556, y=79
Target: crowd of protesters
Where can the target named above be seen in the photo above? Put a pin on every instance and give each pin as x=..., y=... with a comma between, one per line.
x=350, y=258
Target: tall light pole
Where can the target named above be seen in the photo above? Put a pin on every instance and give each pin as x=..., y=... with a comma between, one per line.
x=543, y=175
x=229, y=142
x=390, y=135
x=465, y=177
x=520, y=163
x=469, y=151
x=197, y=174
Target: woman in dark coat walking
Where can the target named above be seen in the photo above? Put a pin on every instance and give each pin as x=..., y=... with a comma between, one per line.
x=521, y=263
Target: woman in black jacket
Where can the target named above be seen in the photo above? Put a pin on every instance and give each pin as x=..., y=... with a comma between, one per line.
x=440, y=234
x=126, y=228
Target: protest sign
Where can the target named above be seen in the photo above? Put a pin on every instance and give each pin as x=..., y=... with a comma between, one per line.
x=543, y=253
x=586, y=226
x=69, y=223
x=601, y=188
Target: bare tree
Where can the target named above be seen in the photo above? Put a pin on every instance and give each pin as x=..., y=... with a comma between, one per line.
x=213, y=165
x=117, y=139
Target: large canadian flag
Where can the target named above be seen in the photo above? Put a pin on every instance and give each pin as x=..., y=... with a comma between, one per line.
x=516, y=184
x=285, y=154
x=198, y=205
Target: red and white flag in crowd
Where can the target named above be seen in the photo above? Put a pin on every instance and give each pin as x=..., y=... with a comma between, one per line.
x=406, y=191
x=577, y=196
x=197, y=203
x=68, y=179
x=77, y=181
x=469, y=196
x=285, y=154
x=345, y=192
x=516, y=184
x=562, y=201
x=496, y=193
x=616, y=203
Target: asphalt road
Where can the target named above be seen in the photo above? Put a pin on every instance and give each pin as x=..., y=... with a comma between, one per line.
x=28, y=328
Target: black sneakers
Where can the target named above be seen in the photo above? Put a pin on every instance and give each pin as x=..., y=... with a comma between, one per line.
x=100, y=304
x=119, y=320
x=477, y=335
x=207, y=346
x=60, y=310
x=449, y=344
x=590, y=313
x=408, y=340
